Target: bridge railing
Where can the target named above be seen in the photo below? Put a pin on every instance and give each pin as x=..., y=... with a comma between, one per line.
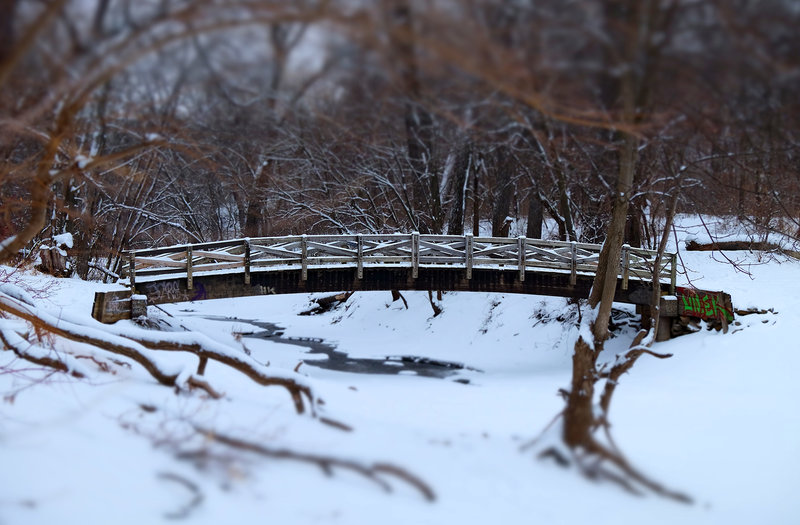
x=413, y=250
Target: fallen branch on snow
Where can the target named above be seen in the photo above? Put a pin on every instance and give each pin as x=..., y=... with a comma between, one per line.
x=694, y=246
x=38, y=355
x=136, y=349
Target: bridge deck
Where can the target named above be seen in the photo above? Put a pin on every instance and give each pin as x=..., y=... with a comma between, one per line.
x=308, y=263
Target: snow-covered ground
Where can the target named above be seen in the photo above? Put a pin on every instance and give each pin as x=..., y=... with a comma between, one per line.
x=719, y=420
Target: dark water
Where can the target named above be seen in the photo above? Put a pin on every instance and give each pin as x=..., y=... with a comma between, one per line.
x=341, y=361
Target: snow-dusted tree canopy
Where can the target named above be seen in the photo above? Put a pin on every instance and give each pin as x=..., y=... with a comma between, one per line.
x=186, y=121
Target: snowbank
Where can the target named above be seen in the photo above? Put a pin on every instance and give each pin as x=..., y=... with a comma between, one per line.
x=718, y=420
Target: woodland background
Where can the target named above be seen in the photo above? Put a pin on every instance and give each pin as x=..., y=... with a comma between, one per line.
x=137, y=123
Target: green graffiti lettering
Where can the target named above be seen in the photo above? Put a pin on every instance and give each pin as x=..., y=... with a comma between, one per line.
x=710, y=309
x=686, y=303
x=708, y=306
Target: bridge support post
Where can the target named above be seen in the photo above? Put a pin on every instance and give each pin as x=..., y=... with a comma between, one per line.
x=673, y=273
x=247, y=261
x=132, y=270
x=626, y=261
x=667, y=312
x=360, y=255
x=415, y=255
x=468, y=250
x=304, y=257
x=189, y=282
x=521, y=257
x=573, y=277
x=138, y=306
x=110, y=307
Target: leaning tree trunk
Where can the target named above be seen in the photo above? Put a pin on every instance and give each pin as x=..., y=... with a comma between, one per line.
x=605, y=283
x=584, y=416
x=579, y=418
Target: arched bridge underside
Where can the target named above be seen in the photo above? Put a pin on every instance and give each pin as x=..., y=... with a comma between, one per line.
x=332, y=263
x=288, y=281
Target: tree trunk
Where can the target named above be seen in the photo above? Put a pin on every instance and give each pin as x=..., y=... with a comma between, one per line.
x=535, y=216
x=255, y=219
x=565, y=226
x=461, y=169
x=476, y=206
x=579, y=415
x=40, y=194
x=503, y=193
x=502, y=205
x=418, y=120
x=8, y=8
x=633, y=229
x=605, y=282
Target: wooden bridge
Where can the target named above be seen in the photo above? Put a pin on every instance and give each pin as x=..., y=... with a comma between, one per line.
x=327, y=263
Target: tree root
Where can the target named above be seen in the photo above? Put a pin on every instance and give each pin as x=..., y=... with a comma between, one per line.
x=590, y=459
x=435, y=306
x=556, y=455
x=397, y=295
x=602, y=453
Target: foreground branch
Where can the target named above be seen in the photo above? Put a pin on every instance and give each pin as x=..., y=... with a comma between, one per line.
x=135, y=348
x=34, y=354
x=328, y=464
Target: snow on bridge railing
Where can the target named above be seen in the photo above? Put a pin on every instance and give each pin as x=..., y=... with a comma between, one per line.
x=369, y=250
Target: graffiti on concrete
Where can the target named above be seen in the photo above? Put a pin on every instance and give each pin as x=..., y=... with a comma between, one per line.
x=175, y=291
x=172, y=292
x=118, y=306
x=200, y=293
x=704, y=304
x=165, y=292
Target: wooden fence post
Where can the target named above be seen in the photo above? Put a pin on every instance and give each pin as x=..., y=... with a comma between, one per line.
x=468, y=249
x=673, y=273
x=573, y=278
x=304, y=257
x=521, y=257
x=626, y=261
x=415, y=255
x=247, y=261
x=189, y=280
x=360, y=255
